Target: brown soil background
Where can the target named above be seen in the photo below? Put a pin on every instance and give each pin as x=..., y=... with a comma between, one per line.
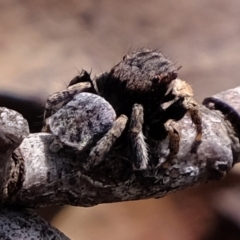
x=44, y=44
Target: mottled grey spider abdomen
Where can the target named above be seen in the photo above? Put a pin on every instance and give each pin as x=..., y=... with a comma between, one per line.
x=81, y=122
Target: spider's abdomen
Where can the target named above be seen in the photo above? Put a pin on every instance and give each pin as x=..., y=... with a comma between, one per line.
x=141, y=77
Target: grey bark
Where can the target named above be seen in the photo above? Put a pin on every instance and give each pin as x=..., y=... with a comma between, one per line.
x=16, y=224
x=35, y=177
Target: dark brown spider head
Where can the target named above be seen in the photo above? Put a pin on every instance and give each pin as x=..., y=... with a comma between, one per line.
x=141, y=77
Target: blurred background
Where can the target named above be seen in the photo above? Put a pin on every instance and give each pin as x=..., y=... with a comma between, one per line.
x=44, y=44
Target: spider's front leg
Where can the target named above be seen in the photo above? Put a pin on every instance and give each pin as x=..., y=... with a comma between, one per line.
x=59, y=99
x=103, y=146
x=183, y=94
x=193, y=108
x=161, y=130
x=173, y=131
x=81, y=83
x=138, y=144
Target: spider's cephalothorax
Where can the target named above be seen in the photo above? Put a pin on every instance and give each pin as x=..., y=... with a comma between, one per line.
x=137, y=88
x=141, y=77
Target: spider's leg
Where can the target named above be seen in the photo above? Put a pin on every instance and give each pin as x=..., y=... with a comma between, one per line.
x=59, y=99
x=183, y=91
x=193, y=108
x=103, y=146
x=138, y=144
x=173, y=130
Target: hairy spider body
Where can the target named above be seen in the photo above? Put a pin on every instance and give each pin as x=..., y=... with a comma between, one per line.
x=141, y=77
x=137, y=88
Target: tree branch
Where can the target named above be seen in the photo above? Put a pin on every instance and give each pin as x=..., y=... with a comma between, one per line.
x=18, y=224
x=36, y=177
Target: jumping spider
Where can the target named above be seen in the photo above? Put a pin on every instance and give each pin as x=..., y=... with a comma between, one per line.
x=137, y=88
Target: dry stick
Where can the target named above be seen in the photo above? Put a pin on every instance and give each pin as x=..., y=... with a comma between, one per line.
x=32, y=176
x=18, y=224
x=36, y=177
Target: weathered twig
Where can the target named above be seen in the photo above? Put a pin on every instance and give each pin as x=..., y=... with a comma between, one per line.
x=18, y=224
x=42, y=178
